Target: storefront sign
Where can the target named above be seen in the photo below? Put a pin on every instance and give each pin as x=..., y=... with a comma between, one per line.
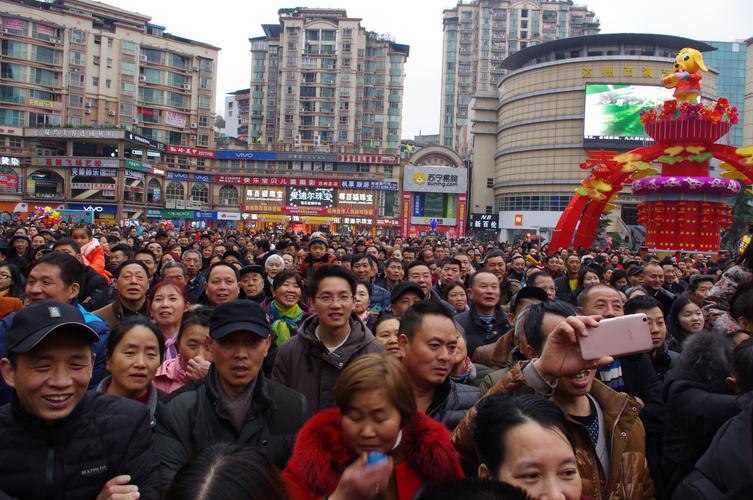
x=433, y=179
x=265, y=194
x=358, y=221
x=306, y=157
x=276, y=181
x=441, y=221
x=9, y=181
x=487, y=222
x=143, y=167
x=76, y=133
x=228, y=216
x=177, y=176
x=10, y=161
x=134, y=174
x=388, y=222
x=150, y=143
x=97, y=209
x=183, y=150
x=418, y=204
x=73, y=161
x=178, y=214
x=201, y=178
x=245, y=155
x=100, y=186
x=349, y=211
x=518, y=219
x=355, y=198
x=153, y=213
x=311, y=197
x=11, y=131
x=204, y=215
x=371, y=159
x=376, y=185
x=94, y=172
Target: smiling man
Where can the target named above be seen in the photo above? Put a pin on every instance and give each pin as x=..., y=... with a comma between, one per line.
x=235, y=402
x=55, y=436
x=327, y=341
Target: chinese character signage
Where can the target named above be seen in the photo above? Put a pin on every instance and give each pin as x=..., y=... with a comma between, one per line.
x=370, y=159
x=431, y=179
x=183, y=150
x=94, y=172
x=311, y=197
x=146, y=141
x=73, y=161
x=265, y=194
x=485, y=222
x=76, y=133
x=314, y=183
x=354, y=198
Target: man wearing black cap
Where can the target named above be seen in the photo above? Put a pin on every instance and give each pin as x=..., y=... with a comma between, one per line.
x=55, y=437
x=235, y=402
x=253, y=284
x=403, y=296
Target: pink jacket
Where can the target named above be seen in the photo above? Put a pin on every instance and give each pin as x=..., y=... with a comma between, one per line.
x=171, y=376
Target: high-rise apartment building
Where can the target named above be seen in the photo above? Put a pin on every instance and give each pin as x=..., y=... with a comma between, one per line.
x=480, y=34
x=84, y=63
x=729, y=60
x=319, y=78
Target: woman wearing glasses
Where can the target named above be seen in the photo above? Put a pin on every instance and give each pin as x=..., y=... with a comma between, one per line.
x=332, y=337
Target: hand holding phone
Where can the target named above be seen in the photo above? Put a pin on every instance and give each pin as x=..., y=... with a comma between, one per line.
x=614, y=337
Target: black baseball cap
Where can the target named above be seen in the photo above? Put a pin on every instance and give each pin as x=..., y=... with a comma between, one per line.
x=528, y=292
x=251, y=269
x=33, y=323
x=238, y=316
x=636, y=271
x=404, y=287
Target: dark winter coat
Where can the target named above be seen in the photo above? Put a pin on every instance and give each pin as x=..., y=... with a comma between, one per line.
x=475, y=330
x=321, y=456
x=191, y=419
x=304, y=363
x=451, y=402
x=94, y=292
x=726, y=469
x=104, y=437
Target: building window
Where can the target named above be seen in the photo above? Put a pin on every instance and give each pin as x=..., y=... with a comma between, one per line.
x=109, y=62
x=154, y=191
x=203, y=140
x=95, y=81
x=203, y=121
x=78, y=36
x=228, y=195
x=174, y=191
x=489, y=182
x=108, y=83
x=200, y=193
x=128, y=47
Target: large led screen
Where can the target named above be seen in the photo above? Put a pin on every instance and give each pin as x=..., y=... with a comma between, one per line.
x=613, y=113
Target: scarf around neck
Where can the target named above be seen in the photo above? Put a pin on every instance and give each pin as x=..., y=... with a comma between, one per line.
x=284, y=321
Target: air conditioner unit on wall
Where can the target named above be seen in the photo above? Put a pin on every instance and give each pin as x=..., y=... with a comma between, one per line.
x=186, y=86
x=111, y=113
x=142, y=78
x=88, y=111
x=144, y=58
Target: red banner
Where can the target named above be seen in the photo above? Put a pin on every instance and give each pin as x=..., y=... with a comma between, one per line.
x=9, y=181
x=461, y=215
x=183, y=150
x=406, y=214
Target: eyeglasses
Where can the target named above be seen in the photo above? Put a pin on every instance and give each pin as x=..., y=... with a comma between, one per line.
x=343, y=298
x=5, y=276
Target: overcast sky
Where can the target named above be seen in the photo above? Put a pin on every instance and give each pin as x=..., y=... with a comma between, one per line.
x=229, y=23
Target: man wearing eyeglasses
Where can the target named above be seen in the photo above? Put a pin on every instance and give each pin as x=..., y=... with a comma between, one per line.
x=327, y=341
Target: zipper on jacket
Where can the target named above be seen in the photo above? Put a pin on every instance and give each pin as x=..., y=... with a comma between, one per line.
x=49, y=474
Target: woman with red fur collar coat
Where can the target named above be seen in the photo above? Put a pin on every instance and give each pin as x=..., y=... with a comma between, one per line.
x=376, y=412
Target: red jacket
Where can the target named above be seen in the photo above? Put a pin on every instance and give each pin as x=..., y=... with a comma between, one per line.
x=309, y=262
x=321, y=455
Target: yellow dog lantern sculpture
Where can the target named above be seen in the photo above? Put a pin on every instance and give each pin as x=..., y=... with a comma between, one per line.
x=686, y=80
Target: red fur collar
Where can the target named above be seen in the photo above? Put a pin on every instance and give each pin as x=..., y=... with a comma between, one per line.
x=321, y=454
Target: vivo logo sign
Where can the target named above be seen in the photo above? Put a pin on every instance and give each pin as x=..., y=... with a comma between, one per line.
x=91, y=208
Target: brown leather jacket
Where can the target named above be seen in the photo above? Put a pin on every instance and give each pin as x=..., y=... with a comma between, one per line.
x=629, y=477
x=496, y=355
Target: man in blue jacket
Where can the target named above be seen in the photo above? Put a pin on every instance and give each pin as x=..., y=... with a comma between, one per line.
x=55, y=277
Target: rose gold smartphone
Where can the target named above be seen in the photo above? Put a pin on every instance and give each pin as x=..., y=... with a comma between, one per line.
x=617, y=337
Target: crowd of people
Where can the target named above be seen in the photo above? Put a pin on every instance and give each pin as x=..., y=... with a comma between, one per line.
x=196, y=364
